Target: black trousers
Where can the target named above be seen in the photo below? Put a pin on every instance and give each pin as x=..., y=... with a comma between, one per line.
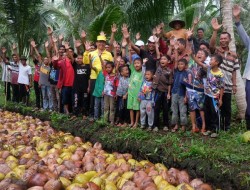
x=15, y=92
x=38, y=93
x=161, y=103
x=92, y=98
x=24, y=94
x=123, y=112
x=7, y=90
x=226, y=111
x=80, y=102
x=211, y=116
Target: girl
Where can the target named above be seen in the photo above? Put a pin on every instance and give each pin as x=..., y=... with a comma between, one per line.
x=135, y=82
x=162, y=84
x=109, y=92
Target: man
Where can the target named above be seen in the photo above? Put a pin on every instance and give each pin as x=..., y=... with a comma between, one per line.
x=5, y=74
x=246, y=39
x=24, y=80
x=200, y=39
x=229, y=66
x=96, y=58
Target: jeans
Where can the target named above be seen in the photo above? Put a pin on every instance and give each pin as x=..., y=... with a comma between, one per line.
x=177, y=106
x=248, y=104
x=47, y=98
x=147, y=109
x=161, y=103
x=99, y=107
x=109, y=108
x=38, y=94
x=55, y=97
x=226, y=111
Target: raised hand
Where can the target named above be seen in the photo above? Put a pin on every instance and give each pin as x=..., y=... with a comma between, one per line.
x=124, y=27
x=158, y=30
x=3, y=50
x=124, y=43
x=49, y=30
x=83, y=34
x=216, y=26
x=115, y=44
x=196, y=21
x=156, y=39
x=66, y=44
x=236, y=11
x=54, y=39
x=102, y=33
x=87, y=45
x=55, y=58
x=61, y=37
x=138, y=36
x=189, y=33
x=46, y=44
x=154, y=31
x=114, y=28
x=78, y=43
x=33, y=43
x=14, y=46
x=172, y=41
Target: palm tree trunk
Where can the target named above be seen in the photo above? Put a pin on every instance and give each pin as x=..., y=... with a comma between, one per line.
x=226, y=7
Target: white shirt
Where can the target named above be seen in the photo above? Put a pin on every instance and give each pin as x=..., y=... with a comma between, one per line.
x=5, y=72
x=24, y=72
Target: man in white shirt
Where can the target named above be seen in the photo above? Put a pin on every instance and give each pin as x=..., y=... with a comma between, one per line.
x=24, y=80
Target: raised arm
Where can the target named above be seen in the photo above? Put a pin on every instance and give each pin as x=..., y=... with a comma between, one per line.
x=46, y=45
x=54, y=40
x=126, y=36
x=83, y=38
x=124, y=45
x=240, y=29
x=112, y=38
x=216, y=26
x=78, y=44
x=14, y=47
x=33, y=44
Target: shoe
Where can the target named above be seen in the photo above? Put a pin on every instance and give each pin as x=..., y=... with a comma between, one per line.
x=155, y=129
x=165, y=128
x=142, y=127
x=149, y=129
x=214, y=135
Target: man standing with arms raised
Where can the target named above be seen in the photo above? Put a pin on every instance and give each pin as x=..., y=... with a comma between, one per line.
x=246, y=40
x=229, y=66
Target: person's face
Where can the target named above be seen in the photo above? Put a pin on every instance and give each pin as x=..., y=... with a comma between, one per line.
x=71, y=52
x=118, y=49
x=213, y=62
x=101, y=45
x=177, y=26
x=46, y=61
x=122, y=62
x=61, y=51
x=200, y=34
x=137, y=65
x=181, y=66
x=109, y=68
x=79, y=59
x=203, y=47
x=125, y=72
x=181, y=47
x=14, y=58
x=148, y=75
x=224, y=40
x=201, y=56
x=23, y=61
x=151, y=46
x=132, y=52
x=107, y=47
x=164, y=61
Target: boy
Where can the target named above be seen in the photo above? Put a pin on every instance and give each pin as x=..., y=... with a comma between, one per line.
x=146, y=97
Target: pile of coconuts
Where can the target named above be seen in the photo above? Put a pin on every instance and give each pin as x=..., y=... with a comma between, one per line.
x=34, y=156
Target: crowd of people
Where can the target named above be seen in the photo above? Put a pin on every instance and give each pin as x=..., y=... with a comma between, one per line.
x=130, y=84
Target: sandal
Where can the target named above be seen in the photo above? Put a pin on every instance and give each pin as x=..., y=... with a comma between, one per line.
x=195, y=130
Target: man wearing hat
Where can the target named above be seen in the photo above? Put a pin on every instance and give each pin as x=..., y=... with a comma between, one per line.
x=24, y=80
x=96, y=59
x=178, y=30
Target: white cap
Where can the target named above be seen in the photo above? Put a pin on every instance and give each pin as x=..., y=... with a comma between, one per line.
x=139, y=43
x=151, y=39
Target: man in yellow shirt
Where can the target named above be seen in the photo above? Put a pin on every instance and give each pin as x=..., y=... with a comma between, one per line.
x=96, y=57
x=178, y=30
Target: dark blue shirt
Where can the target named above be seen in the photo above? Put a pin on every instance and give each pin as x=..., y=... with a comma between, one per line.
x=178, y=87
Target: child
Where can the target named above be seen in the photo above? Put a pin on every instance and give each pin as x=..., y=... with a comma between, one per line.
x=178, y=95
x=80, y=86
x=109, y=92
x=162, y=84
x=214, y=90
x=195, y=91
x=146, y=97
x=97, y=93
x=135, y=82
x=122, y=94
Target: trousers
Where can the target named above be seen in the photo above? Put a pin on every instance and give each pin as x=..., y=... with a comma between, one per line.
x=147, y=109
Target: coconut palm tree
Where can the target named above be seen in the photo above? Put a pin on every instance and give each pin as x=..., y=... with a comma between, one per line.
x=226, y=7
